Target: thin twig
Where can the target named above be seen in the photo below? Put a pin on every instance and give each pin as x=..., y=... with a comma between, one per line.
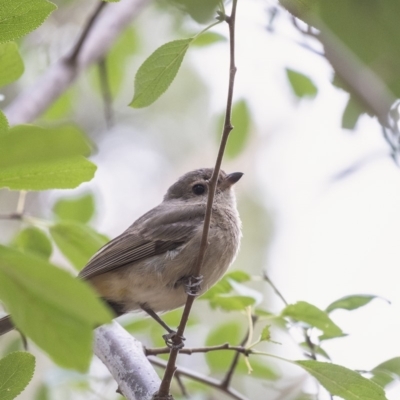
x=12, y=216
x=34, y=100
x=169, y=372
x=78, y=46
x=21, y=202
x=231, y=370
x=181, y=385
x=106, y=93
x=234, y=394
x=275, y=289
x=190, y=351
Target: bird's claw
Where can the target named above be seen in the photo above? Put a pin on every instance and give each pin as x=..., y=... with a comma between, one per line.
x=174, y=341
x=193, y=285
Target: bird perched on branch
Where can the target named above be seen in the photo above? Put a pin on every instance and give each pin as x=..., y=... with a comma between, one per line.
x=151, y=266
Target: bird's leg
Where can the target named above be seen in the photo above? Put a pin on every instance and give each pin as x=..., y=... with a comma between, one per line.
x=172, y=340
x=192, y=284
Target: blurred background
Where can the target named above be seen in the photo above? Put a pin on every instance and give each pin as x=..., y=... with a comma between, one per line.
x=319, y=203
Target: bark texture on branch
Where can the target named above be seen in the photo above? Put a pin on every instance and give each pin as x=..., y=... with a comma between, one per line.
x=31, y=103
x=125, y=359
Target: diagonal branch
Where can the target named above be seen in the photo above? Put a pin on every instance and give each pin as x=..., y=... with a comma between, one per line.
x=102, y=34
x=169, y=372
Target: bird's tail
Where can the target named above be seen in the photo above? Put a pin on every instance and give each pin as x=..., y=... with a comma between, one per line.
x=6, y=325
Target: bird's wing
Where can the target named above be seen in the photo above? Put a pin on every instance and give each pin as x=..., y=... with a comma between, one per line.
x=156, y=234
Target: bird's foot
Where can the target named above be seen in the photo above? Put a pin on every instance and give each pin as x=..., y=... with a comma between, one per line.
x=174, y=341
x=192, y=285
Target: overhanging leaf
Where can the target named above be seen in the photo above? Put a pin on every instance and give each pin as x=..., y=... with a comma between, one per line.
x=78, y=242
x=343, y=382
x=351, y=302
x=27, y=144
x=158, y=71
x=16, y=371
x=67, y=173
x=19, y=17
x=313, y=316
x=57, y=311
x=386, y=372
x=11, y=65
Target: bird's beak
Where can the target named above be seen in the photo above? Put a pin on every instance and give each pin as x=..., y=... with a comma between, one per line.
x=232, y=178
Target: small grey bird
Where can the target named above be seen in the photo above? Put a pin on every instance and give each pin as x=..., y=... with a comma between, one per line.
x=150, y=266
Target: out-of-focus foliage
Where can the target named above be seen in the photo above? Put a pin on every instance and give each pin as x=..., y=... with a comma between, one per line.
x=356, y=32
x=78, y=242
x=80, y=209
x=62, y=310
x=33, y=240
x=302, y=85
x=11, y=64
x=386, y=372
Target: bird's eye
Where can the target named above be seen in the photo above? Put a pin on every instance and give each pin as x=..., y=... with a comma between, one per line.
x=198, y=189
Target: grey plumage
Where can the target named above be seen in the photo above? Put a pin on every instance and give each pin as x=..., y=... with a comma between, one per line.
x=148, y=263
x=146, y=267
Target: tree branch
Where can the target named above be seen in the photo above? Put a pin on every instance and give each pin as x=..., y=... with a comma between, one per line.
x=31, y=103
x=170, y=370
x=125, y=359
x=190, y=351
x=234, y=394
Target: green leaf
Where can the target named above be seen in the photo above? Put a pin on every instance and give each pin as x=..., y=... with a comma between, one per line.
x=57, y=311
x=351, y=114
x=240, y=134
x=35, y=241
x=80, y=209
x=118, y=58
x=11, y=65
x=351, y=302
x=343, y=382
x=260, y=369
x=158, y=71
x=208, y=38
x=200, y=11
x=19, y=17
x=78, y=242
x=241, y=122
x=302, y=85
x=238, y=276
x=42, y=393
x=229, y=332
x=3, y=123
x=16, y=371
x=266, y=333
x=386, y=372
x=67, y=173
x=28, y=144
x=313, y=316
x=231, y=303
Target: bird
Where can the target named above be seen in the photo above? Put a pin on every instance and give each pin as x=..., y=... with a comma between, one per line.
x=151, y=266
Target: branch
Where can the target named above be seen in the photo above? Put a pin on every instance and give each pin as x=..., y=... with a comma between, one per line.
x=169, y=372
x=102, y=34
x=190, y=351
x=124, y=357
x=200, y=378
